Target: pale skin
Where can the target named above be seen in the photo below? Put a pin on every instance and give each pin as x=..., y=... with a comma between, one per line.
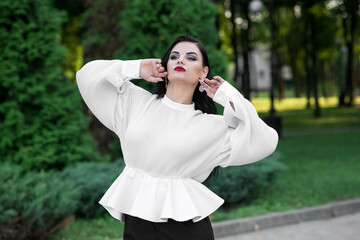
x=182, y=84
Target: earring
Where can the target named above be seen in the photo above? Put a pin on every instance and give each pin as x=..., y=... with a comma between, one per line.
x=166, y=81
x=201, y=88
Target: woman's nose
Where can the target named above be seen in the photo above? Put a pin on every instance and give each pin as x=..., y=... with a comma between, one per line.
x=180, y=60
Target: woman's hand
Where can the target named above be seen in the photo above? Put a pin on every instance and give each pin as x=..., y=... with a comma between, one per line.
x=151, y=70
x=211, y=86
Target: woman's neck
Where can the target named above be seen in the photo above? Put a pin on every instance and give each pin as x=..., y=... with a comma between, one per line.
x=180, y=93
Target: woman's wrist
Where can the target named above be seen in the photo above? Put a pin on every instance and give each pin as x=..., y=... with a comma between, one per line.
x=224, y=92
x=131, y=69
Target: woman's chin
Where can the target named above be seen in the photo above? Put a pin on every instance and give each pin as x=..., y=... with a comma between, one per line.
x=183, y=80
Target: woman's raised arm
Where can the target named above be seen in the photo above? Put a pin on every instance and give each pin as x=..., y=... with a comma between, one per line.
x=99, y=83
x=249, y=138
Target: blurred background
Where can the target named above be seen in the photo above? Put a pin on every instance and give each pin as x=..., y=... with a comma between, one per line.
x=297, y=61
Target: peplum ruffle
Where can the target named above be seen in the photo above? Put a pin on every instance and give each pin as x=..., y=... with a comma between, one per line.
x=157, y=199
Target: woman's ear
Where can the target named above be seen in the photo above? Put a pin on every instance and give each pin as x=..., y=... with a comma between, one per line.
x=205, y=71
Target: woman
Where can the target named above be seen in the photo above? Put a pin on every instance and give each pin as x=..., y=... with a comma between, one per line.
x=170, y=140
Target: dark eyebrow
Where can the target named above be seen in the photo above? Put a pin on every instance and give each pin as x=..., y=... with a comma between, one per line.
x=186, y=53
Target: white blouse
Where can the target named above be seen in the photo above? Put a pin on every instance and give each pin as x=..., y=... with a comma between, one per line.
x=169, y=148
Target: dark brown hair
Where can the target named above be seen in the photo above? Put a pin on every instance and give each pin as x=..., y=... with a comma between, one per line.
x=201, y=100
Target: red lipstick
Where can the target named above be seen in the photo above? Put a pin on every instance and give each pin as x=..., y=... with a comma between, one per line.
x=179, y=69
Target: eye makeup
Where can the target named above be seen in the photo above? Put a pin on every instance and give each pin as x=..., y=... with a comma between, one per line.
x=192, y=56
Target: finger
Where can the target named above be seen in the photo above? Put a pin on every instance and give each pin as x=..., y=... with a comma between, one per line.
x=151, y=79
x=154, y=66
x=203, y=83
x=212, y=83
x=159, y=79
x=161, y=69
x=209, y=91
x=220, y=79
x=206, y=86
x=209, y=82
x=163, y=74
x=155, y=79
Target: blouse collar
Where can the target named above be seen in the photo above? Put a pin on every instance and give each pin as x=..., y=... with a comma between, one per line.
x=178, y=106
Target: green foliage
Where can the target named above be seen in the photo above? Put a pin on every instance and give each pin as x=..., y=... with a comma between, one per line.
x=35, y=204
x=101, y=29
x=323, y=33
x=149, y=27
x=71, y=35
x=41, y=124
x=91, y=180
x=244, y=183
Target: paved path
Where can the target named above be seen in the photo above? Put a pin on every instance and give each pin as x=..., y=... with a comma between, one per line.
x=340, y=228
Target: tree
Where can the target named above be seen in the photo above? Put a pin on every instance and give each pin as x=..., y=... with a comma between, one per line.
x=349, y=11
x=294, y=46
x=237, y=10
x=41, y=125
x=101, y=39
x=313, y=57
x=102, y=29
x=149, y=27
x=317, y=35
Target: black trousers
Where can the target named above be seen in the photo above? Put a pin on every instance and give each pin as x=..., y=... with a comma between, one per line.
x=140, y=229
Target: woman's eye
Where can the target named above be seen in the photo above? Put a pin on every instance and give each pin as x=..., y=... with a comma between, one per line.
x=173, y=57
x=192, y=58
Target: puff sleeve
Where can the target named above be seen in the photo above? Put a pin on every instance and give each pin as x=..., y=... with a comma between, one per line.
x=248, y=138
x=103, y=83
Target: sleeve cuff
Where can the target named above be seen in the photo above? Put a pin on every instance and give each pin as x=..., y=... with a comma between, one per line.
x=131, y=69
x=224, y=92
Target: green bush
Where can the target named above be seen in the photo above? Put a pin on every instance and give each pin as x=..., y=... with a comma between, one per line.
x=42, y=125
x=91, y=180
x=35, y=204
x=244, y=183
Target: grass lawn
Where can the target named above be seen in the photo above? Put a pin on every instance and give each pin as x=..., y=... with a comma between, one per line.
x=297, y=119
x=322, y=168
x=323, y=160
x=105, y=228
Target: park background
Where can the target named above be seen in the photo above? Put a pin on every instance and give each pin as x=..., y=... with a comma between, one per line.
x=56, y=159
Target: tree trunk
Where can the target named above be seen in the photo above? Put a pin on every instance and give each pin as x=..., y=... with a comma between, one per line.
x=278, y=62
x=323, y=78
x=296, y=77
x=356, y=72
x=349, y=92
x=349, y=25
x=234, y=41
x=306, y=60
x=272, y=60
x=331, y=79
x=217, y=24
x=281, y=82
x=314, y=61
x=245, y=46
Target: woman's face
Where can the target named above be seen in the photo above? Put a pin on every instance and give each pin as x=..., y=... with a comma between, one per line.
x=186, y=64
